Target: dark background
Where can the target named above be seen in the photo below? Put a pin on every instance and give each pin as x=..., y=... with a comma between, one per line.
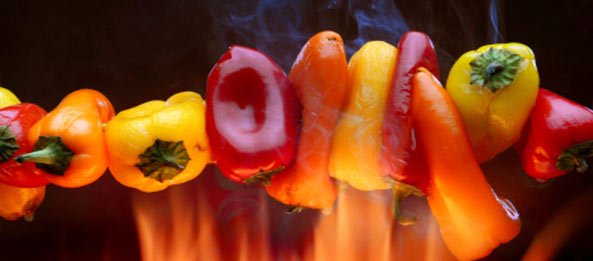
x=135, y=51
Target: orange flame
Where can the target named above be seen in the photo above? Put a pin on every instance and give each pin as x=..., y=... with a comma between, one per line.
x=202, y=221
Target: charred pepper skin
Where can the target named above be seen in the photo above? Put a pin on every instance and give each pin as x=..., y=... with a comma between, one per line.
x=319, y=76
x=472, y=219
x=558, y=137
x=400, y=157
x=494, y=89
x=252, y=116
x=16, y=120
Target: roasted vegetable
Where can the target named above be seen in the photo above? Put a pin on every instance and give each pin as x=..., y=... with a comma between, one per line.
x=558, y=137
x=252, y=116
x=69, y=143
x=472, y=219
x=494, y=89
x=158, y=144
x=319, y=76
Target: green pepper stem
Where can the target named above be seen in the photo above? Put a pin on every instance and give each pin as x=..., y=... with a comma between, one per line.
x=495, y=68
x=263, y=177
x=492, y=69
x=163, y=160
x=575, y=157
x=8, y=144
x=49, y=154
x=401, y=191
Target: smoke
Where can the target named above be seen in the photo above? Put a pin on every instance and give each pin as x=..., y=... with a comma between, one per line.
x=376, y=20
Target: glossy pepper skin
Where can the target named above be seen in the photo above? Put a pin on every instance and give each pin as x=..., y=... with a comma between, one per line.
x=400, y=158
x=472, y=219
x=357, y=141
x=494, y=89
x=558, y=137
x=159, y=143
x=319, y=76
x=15, y=122
x=16, y=202
x=7, y=98
x=69, y=141
x=252, y=116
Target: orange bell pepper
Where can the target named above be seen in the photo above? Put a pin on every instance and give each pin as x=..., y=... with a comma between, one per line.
x=472, y=219
x=319, y=76
x=16, y=202
x=69, y=141
x=357, y=141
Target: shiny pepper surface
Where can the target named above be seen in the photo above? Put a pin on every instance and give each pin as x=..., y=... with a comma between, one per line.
x=159, y=143
x=494, y=89
x=15, y=123
x=69, y=141
x=558, y=137
x=16, y=202
x=357, y=141
x=472, y=219
x=252, y=116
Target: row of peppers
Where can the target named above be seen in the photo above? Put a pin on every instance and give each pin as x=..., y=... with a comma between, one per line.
x=381, y=121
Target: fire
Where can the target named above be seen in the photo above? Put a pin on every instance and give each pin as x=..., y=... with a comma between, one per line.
x=212, y=219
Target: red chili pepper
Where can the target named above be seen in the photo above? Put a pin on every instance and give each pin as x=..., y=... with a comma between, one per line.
x=400, y=157
x=15, y=122
x=252, y=116
x=558, y=138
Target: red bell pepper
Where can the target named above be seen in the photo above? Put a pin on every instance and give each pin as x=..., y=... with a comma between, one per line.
x=400, y=158
x=252, y=116
x=15, y=122
x=558, y=138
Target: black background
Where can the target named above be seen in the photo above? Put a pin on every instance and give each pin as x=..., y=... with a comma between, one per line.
x=135, y=51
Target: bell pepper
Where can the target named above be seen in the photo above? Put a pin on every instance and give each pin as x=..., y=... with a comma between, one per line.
x=16, y=202
x=68, y=142
x=558, y=137
x=252, y=116
x=357, y=141
x=7, y=98
x=319, y=76
x=15, y=122
x=400, y=158
x=159, y=143
x=472, y=219
x=494, y=89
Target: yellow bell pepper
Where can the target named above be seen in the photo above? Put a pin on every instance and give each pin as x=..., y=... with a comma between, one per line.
x=357, y=141
x=7, y=98
x=158, y=144
x=494, y=89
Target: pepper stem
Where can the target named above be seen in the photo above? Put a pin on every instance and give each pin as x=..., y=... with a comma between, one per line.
x=401, y=191
x=163, y=160
x=263, y=177
x=575, y=157
x=49, y=154
x=8, y=144
x=495, y=69
x=293, y=209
